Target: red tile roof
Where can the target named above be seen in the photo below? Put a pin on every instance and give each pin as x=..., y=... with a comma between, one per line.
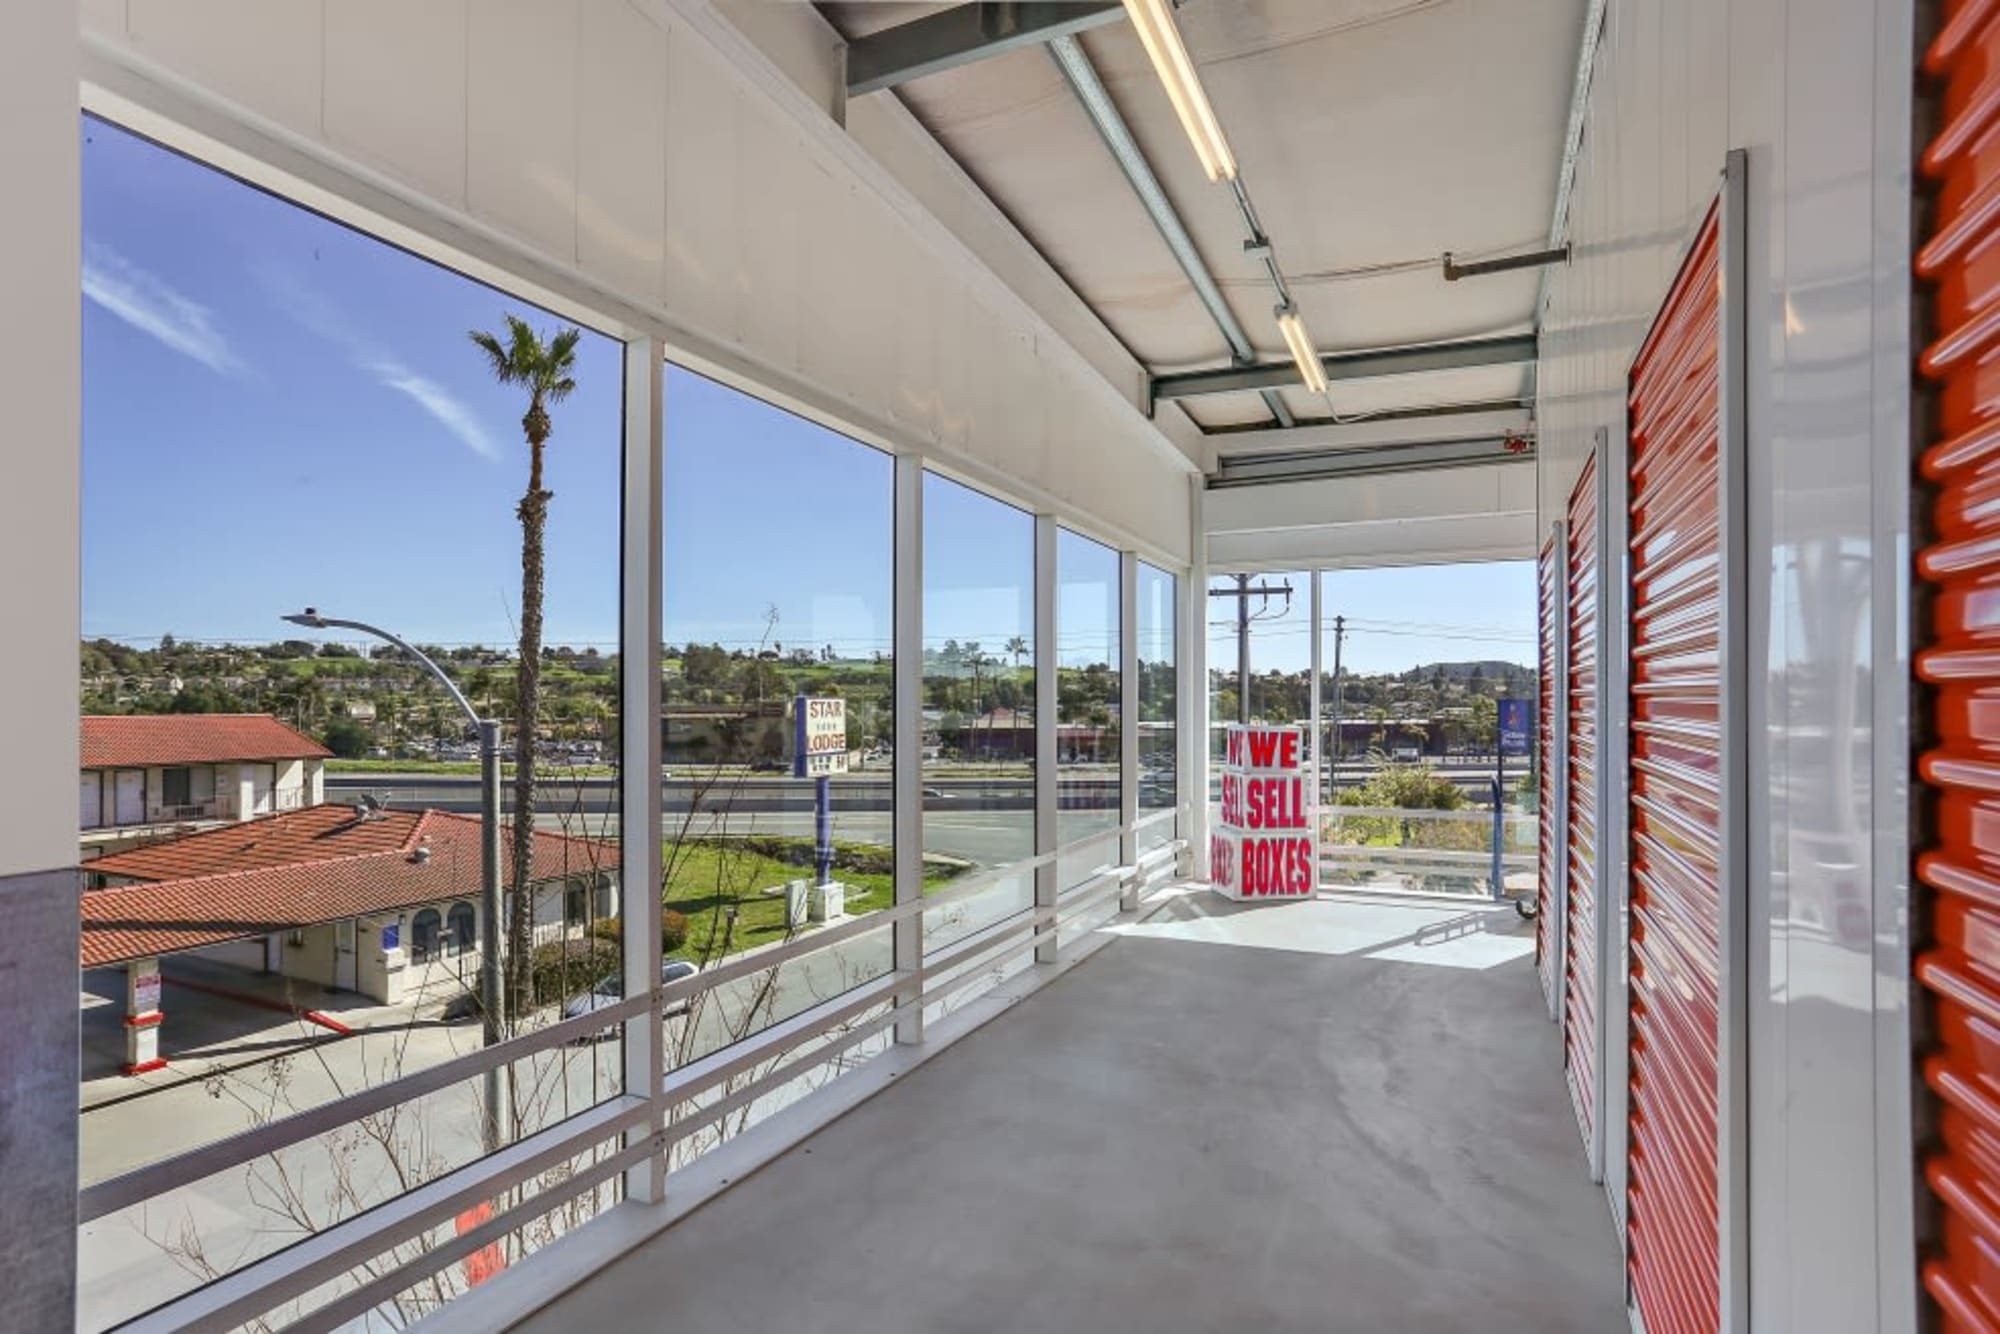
x=299, y=868
x=133, y=741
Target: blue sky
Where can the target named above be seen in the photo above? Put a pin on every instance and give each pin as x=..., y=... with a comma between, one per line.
x=280, y=412
x=1397, y=618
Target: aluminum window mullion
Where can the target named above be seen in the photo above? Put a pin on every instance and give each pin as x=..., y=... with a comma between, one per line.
x=641, y=585
x=1191, y=683
x=1128, y=720
x=1047, y=880
x=1316, y=766
x=907, y=782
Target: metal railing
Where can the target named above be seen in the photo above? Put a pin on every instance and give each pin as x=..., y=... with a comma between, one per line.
x=1424, y=851
x=690, y=1098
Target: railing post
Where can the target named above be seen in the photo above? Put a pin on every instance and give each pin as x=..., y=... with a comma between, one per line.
x=1498, y=883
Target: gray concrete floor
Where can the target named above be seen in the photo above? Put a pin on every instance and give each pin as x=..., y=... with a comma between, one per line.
x=1328, y=1116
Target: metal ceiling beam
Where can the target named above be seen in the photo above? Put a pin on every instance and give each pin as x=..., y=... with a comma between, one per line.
x=1415, y=359
x=1323, y=464
x=1082, y=78
x=964, y=34
x=1402, y=428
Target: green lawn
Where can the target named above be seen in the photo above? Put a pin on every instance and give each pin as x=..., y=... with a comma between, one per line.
x=708, y=879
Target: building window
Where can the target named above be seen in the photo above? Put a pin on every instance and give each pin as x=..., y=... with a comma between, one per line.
x=461, y=930
x=573, y=906
x=979, y=699
x=1089, y=700
x=424, y=936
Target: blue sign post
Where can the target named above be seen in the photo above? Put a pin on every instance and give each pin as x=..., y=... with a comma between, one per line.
x=819, y=750
x=1515, y=722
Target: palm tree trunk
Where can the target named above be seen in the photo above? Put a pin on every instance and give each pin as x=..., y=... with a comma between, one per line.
x=528, y=683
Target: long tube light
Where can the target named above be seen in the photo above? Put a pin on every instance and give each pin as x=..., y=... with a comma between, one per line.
x=1300, y=342
x=1154, y=21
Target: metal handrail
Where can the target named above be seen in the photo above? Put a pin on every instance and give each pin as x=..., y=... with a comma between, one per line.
x=158, y=1178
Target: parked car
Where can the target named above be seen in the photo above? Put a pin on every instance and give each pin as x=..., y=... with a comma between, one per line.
x=612, y=990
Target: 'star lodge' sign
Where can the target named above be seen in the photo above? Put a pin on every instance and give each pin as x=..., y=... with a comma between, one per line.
x=1264, y=846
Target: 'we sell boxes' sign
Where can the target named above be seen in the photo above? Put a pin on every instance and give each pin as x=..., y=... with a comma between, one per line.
x=1264, y=846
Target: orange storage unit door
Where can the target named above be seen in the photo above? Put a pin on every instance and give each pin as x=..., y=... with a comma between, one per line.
x=1674, y=795
x=1580, y=932
x=1548, y=859
x=1958, y=911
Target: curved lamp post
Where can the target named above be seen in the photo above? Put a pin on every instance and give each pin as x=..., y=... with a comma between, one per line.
x=488, y=730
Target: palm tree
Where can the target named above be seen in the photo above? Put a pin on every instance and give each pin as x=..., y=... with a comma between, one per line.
x=1017, y=648
x=544, y=369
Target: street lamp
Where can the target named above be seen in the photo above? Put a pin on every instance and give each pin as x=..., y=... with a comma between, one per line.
x=488, y=730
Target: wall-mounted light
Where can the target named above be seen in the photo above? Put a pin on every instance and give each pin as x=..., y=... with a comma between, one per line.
x=1300, y=342
x=1154, y=20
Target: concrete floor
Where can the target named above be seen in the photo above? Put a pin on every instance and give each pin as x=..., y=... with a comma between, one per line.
x=1326, y=1116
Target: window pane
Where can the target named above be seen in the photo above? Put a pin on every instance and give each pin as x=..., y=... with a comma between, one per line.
x=979, y=701
x=1087, y=704
x=779, y=584
x=1272, y=615
x=1159, y=753
x=294, y=411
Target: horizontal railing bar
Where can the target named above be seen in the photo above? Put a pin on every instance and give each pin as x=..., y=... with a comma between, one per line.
x=251, y=1291
x=697, y=1077
x=711, y=1113
x=959, y=952
x=156, y=1179
x=1076, y=904
x=372, y=1294
x=1442, y=856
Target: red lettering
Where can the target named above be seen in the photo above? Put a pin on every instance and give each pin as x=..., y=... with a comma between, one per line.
x=1288, y=751
x=1263, y=748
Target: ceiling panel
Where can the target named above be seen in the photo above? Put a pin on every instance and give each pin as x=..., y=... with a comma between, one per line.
x=1373, y=135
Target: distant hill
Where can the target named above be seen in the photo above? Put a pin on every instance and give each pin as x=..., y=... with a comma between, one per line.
x=1490, y=669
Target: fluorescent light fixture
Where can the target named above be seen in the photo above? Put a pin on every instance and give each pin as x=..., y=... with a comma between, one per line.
x=1154, y=20
x=1300, y=342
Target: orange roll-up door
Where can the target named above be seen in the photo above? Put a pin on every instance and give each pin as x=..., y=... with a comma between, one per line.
x=1958, y=913
x=1548, y=859
x=1675, y=803
x=1580, y=934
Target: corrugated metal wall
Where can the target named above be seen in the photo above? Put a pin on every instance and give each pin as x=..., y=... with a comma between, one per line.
x=1675, y=795
x=1549, y=574
x=1580, y=954
x=1960, y=971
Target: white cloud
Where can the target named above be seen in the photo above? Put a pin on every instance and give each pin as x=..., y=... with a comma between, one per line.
x=152, y=307
x=310, y=308
x=440, y=403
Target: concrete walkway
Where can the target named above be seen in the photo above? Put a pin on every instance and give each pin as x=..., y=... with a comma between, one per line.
x=1327, y=1116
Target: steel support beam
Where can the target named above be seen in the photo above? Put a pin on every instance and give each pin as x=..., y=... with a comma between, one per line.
x=966, y=33
x=1319, y=464
x=1415, y=359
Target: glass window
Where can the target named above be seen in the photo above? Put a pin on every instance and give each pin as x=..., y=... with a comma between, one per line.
x=1259, y=656
x=979, y=702
x=1158, y=723
x=297, y=407
x=779, y=585
x=1088, y=701
x=460, y=929
x=424, y=928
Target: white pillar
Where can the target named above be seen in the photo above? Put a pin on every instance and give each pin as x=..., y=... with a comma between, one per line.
x=40, y=343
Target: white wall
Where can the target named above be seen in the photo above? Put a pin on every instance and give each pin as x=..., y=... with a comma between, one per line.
x=1414, y=518
x=664, y=172
x=1819, y=96
x=39, y=346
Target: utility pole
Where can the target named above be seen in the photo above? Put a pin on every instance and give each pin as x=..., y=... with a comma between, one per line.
x=1243, y=592
x=1339, y=635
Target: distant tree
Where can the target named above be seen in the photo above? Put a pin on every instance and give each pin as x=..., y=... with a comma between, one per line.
x=167, y=644
x=346, y=738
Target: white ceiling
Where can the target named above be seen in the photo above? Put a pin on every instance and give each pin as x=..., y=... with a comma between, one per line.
x=1373, y=136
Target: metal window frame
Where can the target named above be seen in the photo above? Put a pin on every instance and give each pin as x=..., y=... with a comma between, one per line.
x=1048, y=883
x=643, y=1113
x=1128, y=717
